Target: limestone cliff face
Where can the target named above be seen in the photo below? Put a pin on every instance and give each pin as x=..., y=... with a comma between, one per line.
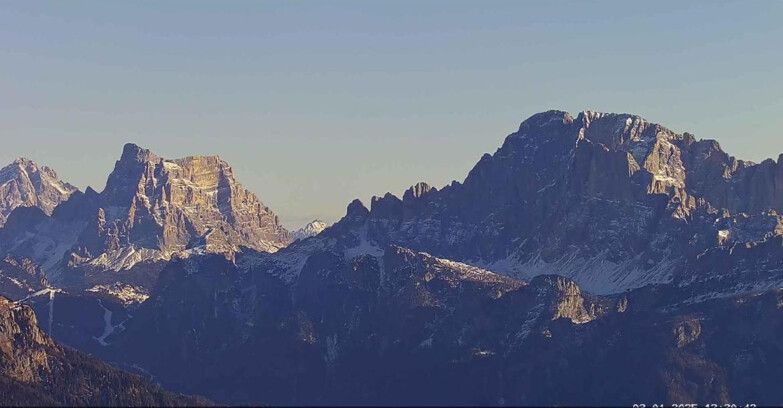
x=151, y=210
x=603, y=172
x=757, y=188
x=168, y=205
x=24, y=184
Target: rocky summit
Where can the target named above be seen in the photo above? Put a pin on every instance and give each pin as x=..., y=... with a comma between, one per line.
x=24, y=184
x=312, y=229
x=151, y=210
x=597, y=259
x=612, y=201
x=172, y=205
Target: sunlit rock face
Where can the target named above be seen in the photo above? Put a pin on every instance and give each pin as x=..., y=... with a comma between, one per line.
x=166, y=205
x=151, y=209
x=24, y=184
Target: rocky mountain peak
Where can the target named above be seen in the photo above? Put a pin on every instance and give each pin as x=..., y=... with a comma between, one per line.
x=611, y=129
x=173, y=201
x=151, y=209
x=544, y=120
x=25, y=184
x=417, y=191
x=622, y=131
x=678, y=165
x=587, y=116
x=132, y=152
x=601, y=187
x=312, y=229
x=23, y=162
x=356, y=210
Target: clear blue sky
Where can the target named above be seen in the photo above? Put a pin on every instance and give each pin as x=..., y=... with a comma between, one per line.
x=317, y=103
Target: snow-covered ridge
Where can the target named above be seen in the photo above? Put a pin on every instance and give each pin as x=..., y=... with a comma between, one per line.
x=127, y=257
x=312, y=229
x=465, y=271
x=596, y=274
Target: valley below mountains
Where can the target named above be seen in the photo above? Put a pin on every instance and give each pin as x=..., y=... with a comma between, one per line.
x=592, y=260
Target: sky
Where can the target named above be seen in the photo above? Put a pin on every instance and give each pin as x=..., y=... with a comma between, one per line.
x=317, y=103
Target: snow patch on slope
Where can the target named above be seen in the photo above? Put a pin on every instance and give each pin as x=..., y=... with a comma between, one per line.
x=365, y=247
x=465, y=271
x=127, y=257
x=596, y=275
x=108, y=328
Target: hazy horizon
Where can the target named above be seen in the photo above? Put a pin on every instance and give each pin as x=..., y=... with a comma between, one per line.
x=315, y=104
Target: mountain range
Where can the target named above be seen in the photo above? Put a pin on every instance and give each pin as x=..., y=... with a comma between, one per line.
x=592, y=260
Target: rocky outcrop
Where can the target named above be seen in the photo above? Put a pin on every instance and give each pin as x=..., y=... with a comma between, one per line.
x=564, y=298
x=20, y=278
x=22, y=344
x=24, y=184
